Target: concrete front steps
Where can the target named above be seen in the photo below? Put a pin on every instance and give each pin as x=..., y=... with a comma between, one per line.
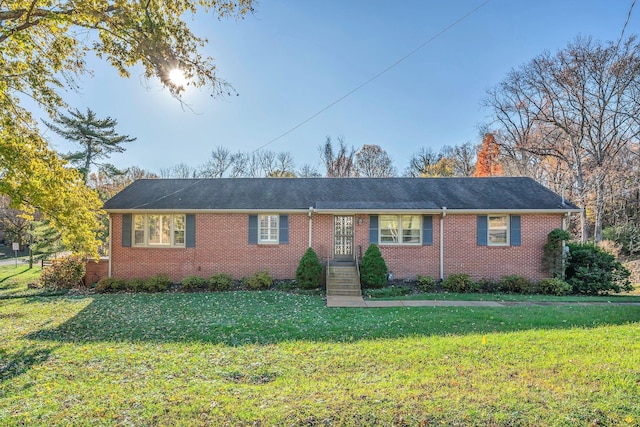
x=343, y=281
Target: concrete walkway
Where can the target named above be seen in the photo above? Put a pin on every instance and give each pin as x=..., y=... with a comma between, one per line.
x=341, y=301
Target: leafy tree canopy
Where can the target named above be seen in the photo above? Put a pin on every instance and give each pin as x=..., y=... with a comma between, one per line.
x=42, y=47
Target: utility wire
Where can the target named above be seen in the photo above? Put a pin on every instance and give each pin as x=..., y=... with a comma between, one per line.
x=351, y=92
x=624, y=27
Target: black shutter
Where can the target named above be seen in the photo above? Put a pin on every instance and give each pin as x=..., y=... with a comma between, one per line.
x=427, y=230
x=284, y=229
x=253, y=229
x=515, y=230
x=126, y=230
x=483, y=226
x=190, y=231
x=373, y=229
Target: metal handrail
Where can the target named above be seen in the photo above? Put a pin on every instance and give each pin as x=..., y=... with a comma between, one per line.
x=327, y=272
x=355, y=258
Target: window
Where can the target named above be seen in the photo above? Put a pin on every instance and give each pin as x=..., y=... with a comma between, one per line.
x=178, y=230
x=138, y=231
x=498, y=230
x=159, y=227
x=159, y=230
x=400, y=229
x=268, y=229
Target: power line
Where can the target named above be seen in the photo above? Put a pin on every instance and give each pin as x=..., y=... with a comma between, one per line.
x=351, y=92
x=624, y=27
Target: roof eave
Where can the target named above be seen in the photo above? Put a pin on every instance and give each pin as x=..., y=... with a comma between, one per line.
x=449, y=211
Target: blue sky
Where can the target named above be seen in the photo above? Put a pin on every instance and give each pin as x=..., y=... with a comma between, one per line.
x=290, y=59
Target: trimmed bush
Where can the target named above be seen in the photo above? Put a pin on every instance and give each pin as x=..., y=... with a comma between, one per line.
x=593, y=271
x=258, y=281
x=515, y=284
x=373, y=271
x=554, y=286
x=136, y=285
x=193, y=283
x=65, y=273
x=157, y=283
x=221, y=282
x=426, y=283
x=110, y=284
x=309, y=271
x=459, y=283
x=488, y=285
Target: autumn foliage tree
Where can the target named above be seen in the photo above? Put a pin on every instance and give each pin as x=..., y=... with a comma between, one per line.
x=488, y=163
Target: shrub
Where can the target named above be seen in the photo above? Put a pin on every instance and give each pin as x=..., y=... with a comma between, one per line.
x=65, y=273
x=488, y=285
x=258, y=281
x=594, y=271
x=516, y=285
x=110, y=284
x=373, y=270
x=554, y=286
x=192, y=283
x=157, y=283
x=309, y=271
x=426, y=283
x=552, y=259
x=389, y=291
x=459, y=283
x=221, y=282
x=136, y=285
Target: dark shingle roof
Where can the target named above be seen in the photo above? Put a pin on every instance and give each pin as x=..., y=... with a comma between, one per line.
x=498, y=193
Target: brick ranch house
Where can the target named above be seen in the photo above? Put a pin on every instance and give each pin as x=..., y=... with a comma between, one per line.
x=486, y=227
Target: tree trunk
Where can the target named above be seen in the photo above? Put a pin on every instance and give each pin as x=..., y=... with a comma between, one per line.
x=582, y=195
x=597, y=234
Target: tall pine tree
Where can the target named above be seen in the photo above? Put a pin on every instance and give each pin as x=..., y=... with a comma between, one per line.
x=97, y=137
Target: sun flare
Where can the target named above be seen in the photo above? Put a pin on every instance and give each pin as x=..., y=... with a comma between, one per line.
x=177, y=77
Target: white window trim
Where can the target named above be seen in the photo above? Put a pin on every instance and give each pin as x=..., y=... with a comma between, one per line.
x=262, y=241
x=145, y=230
x=400, y=234
x=508, y=242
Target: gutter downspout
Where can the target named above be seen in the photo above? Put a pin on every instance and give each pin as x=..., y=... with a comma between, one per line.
x=110, y=246
x=444, y=214
x=310, y=224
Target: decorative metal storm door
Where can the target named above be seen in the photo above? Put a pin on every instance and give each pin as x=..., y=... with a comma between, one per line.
x=343, y=237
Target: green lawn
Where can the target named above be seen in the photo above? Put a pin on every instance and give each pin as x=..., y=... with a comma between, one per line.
x=444, y=296
x=273, y=358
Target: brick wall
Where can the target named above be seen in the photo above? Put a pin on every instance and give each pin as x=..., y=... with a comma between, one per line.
x=463, y=255
x=222, y=246
x=96, y=270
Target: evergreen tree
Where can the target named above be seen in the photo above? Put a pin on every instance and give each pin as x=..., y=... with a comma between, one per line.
x=45, y=240
x=309, y=271
x=553, y=261
x=373, y=270
x=97, y=137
